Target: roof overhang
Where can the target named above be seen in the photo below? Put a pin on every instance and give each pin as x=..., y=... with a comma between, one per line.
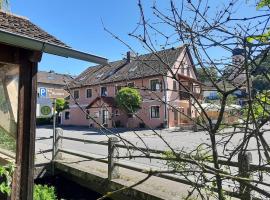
x=38, y=45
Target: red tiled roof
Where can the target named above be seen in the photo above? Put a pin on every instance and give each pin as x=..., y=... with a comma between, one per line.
x=146, y=65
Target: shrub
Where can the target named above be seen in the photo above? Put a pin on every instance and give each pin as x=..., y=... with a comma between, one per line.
x=44, y=121
x=129, y=99
x=6, y=141
x=44, y=192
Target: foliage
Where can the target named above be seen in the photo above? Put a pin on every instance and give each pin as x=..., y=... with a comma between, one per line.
x=263, y=3
x=260, y=106
x=41, y=192
x=44, y=192
x=4, y=4
x=204, y=76
x=129, y=99
x=61, y=104
x=265, y=36
x=6, y=173
x=6, y=141
x=44, y=121
x=260, y=83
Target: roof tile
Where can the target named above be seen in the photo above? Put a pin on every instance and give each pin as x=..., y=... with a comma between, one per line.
x=22, y=26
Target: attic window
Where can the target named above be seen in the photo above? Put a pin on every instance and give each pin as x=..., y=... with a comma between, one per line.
x=51, y=78
x=133, y=69
x=82, y=78
x=99, y=75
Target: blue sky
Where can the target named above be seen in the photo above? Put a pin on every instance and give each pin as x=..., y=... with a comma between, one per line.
x=78, y=24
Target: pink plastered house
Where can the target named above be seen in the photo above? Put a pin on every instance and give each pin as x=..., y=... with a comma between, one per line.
x=165, y=103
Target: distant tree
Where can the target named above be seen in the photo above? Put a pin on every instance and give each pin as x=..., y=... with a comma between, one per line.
x=129, y=99
x=4, y=4
x=260, y=83
x=261, y=74
x=61, y=104
x=204, y=74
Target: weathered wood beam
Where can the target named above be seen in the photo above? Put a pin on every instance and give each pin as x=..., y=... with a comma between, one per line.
x=23, y=177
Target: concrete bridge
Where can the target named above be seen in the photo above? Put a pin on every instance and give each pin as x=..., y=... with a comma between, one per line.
x=105, y=174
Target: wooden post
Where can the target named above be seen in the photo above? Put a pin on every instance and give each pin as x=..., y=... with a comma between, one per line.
x=244, y=160
x=58, y=143
x=23, y=179
x=113, y=171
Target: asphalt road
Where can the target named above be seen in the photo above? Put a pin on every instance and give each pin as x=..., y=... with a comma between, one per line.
x=176, y=139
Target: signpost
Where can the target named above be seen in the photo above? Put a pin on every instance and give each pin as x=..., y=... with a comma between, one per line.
x=43, y=92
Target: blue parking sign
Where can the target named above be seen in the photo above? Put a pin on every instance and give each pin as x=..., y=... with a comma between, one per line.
x=43, y=92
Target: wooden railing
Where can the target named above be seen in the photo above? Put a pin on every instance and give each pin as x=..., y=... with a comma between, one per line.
x=245, y=168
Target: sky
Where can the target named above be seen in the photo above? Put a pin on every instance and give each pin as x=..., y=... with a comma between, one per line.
x=79, y=24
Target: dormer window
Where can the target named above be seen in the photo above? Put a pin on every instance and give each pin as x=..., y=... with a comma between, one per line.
x=51, y=78
x=99, y=75
x=103, y=91
x=132, y=69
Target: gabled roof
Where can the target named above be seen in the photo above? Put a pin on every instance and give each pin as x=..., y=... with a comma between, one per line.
x=53, y=78
x=147, y=65
x=22, y=26
x=110, y=101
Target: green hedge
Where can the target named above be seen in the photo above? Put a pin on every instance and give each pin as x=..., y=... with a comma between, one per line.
x=44, y=121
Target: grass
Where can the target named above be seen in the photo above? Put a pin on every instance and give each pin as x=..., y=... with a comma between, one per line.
x=7, y=142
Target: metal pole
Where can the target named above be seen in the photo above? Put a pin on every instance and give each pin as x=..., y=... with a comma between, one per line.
x=54, y=134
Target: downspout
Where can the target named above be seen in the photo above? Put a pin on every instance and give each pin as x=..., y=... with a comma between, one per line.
x=166, y=121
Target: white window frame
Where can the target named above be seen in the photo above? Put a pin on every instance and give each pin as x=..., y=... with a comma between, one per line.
x=151, y=112
x=86, y=93
x=157, y=90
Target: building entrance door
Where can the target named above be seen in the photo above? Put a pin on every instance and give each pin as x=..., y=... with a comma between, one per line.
x=105, y=116
x=176, y=116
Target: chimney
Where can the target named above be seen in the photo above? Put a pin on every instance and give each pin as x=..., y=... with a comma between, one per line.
x=130, y=56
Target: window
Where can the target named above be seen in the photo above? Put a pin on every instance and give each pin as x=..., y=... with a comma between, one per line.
x=76, y=94
x=103, y=91
x=174, y=85
x=117, y=113
x=88, y=93
x=105, y=116
x=87, y=116
x=175, y=112
x=132, y=69
x=154, y=111
x=117, y=88
x=154, y=85
x=67, y=115
x=188, y=71
x=182, y=70
x=99, y=75
x=131, y=84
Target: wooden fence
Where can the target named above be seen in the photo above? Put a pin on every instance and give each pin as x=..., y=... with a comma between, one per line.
x=245, y=168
